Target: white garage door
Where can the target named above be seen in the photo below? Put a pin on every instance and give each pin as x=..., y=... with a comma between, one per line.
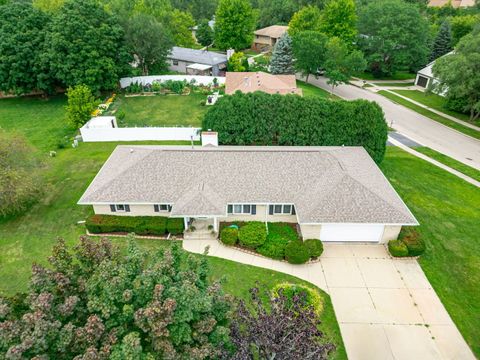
x=339, y=232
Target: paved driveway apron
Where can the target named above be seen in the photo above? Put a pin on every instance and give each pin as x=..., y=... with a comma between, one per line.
x=385, y=307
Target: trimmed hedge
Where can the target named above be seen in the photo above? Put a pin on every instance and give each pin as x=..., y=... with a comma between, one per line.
x=229, y=236
x=279, y=235
x=412, y=240
x=315, y=247
x=263, y=119
x=296, y=252
x=311, y=296
x=397, y=248
x=252, y=234
x=140, y=225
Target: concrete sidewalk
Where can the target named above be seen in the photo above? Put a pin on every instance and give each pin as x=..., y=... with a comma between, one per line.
x=385, y=307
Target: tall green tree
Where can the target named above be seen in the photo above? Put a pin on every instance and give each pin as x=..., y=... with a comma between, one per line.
x=275, y=12
x=204, y=33
x=394, y=35
x=22, y=35
x=149, y=42
x=200, y=9
x=340, y=63
x=92, y=302
x=48, y=6
x=281, y=61
x=80, y=105
x=309, y=48
x=443, y=41
x=459, y=76
x=180, y=25
x=462, y=25
x=307, y=18
x=339, y=19
x=85, y=45
x=234, y=24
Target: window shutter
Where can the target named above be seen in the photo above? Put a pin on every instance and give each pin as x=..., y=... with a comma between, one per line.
x=169, y=208
x=112, y=208
x=155, y=208
x=293, y=210
x=127, y=208
x=230, y=209
x=254, y=209
x=270, y=209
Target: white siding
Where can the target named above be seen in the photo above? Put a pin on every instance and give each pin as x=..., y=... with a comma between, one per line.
x=310, y=231
x=135, y=210
x=391, y=233
x=352, y=232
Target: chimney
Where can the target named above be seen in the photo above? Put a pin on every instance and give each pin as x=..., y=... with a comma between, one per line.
x=209, y=138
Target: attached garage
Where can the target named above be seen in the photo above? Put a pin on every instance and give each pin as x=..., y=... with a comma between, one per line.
x=352, y=233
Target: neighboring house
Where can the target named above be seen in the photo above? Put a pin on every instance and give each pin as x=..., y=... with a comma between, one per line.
x=454, y=3
x=266, y=38
x=194, y=29
x=425, y=76
x=332, y=193
x=196, y=62
x=259, y=81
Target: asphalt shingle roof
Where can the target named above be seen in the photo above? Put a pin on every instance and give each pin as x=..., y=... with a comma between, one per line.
x=197, y=56
x=326, y=184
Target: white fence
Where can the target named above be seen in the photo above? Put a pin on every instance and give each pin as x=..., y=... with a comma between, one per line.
x=144, y=80
x=140, y=134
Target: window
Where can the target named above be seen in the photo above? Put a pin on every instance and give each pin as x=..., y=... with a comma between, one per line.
x=243, y=209
x=175, y=62
x=246, y=209
x=279, y=209
x=162, y=207
x=287, y=209
x=237, y=209
x=120, y=208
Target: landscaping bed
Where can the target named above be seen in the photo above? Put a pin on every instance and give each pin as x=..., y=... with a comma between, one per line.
x=281, y=242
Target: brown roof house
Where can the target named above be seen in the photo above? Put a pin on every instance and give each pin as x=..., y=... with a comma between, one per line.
x=454, y=3
x=259, y=81
x=333, y=193
x=267, y=37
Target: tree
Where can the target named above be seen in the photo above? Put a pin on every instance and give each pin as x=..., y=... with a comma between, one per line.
x=22, y=34
x=234, y=24
x=458, y=74
x=80, y=105
x=48, y=6
x=94, y=303
x=204, y=33
x=200, y=9
x=281, y=61
x=149, y=42
x=307, y=18
x=339, y=19
x=85, y=45
x=19, y=180
x=236, y=62
x=394, y=35
x=180, y=24
x=340, y=64
x=443, y=41
x=286, y=329
x=462, y=25
x=309, y=50
x=275, y=12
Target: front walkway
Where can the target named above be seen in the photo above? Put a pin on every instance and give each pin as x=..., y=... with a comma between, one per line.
x=385, y=307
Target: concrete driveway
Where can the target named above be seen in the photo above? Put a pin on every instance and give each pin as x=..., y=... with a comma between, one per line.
x=415, y=126
x=385, y=307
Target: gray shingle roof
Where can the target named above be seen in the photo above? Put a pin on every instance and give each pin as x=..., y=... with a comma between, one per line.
x=326, y=184
x=197, y=56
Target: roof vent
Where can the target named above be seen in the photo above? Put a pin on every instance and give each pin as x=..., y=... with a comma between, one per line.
x=246, y=81
x=131, y=151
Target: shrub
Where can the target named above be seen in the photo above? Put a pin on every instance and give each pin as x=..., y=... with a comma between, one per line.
x=252, y=234
x=296, y=252
x=412, y=240
x=229, y=236
x=308, y=295
x=141, y=225
x=279, y=235
x=314, y=247
x=397, y=248
x=175, y=226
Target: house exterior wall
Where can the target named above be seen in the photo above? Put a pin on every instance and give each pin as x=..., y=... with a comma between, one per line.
x=310, y=231
x=390, y=233
x=135, y=210
x=181, y=67
x=261, y=215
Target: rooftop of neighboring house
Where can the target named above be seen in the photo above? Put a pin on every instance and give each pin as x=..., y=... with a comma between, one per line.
x=455, y=3
x=427, y=70
x=326, y=184
x=197, y=56
x=260, y=81
x=274, y=31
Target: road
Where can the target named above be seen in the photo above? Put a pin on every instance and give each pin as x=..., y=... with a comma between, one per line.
x=415, y=126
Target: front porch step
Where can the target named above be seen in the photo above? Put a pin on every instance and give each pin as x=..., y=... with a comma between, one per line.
x=199, y=235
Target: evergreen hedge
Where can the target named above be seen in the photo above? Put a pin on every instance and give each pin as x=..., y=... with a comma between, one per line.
x=140, y=225
x=263, y=119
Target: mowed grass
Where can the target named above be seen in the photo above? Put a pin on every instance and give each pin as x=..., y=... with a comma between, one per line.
x=398, y=84
x=433, y=101
x=162, y=110
x=399, y=75
x=425, y=112
x=446, y=160
x=311, y=90
x=448, y=210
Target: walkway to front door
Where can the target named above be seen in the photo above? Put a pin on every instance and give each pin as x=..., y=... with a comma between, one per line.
x=386, y=308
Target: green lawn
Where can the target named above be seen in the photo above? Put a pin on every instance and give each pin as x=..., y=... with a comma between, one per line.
x=448, y=210
x=454, y=125
x=399, y=75
x=312, y=90
x=400, y=84
x=433, y=101
x=446, y=160
x=162, y=110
